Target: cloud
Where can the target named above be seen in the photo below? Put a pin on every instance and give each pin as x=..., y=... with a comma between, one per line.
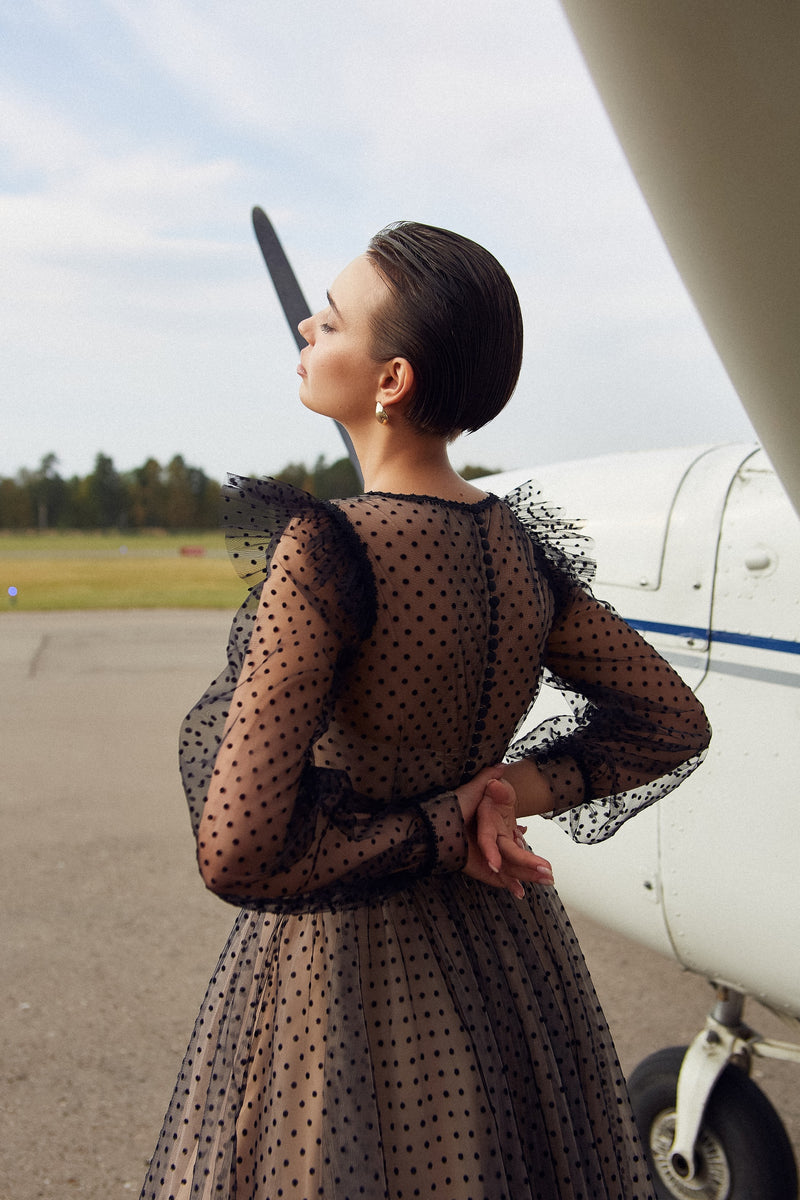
x=36, y=138
x=140, y=132
x=232, y=59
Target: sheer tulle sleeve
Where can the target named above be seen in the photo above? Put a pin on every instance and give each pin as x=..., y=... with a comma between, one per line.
x=273, y=829
x=636, y=729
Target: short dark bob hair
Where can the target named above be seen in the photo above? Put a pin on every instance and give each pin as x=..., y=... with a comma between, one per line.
x=455, y=316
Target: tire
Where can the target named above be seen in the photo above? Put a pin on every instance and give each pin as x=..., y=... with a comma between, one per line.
x=743, y=1151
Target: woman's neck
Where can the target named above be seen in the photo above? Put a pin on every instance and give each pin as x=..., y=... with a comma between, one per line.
x=412, y=464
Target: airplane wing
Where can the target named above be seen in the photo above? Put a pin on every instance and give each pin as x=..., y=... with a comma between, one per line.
x=705, y=100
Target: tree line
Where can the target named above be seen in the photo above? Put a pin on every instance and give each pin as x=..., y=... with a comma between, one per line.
x=176, y=496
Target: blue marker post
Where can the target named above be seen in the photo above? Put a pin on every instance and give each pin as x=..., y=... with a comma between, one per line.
x=12, y=595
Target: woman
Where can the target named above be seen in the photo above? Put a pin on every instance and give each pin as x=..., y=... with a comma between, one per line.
x=402, y=1009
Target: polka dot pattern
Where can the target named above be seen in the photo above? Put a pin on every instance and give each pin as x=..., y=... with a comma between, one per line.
x=380, y=1024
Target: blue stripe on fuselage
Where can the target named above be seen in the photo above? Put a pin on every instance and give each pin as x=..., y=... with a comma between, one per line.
x=717, y=635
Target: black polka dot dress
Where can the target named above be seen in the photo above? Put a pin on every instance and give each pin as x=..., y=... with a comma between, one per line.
x=379, y=1024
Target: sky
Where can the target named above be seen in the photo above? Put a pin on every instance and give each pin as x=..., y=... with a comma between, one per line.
x=136, y=316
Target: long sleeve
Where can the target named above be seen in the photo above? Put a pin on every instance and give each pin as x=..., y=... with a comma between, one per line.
x=277, y=831
x=637, y=730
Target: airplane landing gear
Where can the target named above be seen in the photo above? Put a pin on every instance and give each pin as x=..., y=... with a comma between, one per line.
x=741, y=1151
x=710, y=1133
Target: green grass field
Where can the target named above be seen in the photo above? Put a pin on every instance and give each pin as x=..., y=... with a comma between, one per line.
x=100, y=570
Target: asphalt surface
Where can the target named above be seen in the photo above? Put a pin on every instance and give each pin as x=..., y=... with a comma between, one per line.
x=108, y=936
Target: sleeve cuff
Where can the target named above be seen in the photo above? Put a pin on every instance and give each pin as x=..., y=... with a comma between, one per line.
x=448, y=841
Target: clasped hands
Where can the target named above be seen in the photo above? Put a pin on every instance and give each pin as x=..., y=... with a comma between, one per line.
x=497, y=853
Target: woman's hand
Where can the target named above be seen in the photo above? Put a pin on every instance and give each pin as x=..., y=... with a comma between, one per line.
x=497, y=853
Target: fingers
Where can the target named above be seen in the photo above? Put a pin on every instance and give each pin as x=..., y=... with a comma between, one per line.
x=512, y=865
x=487, y=776
x=495, y=818
x=516, y=868
x=514, y=881
x=505, y=859
x=523, y=862
x=500, y=792
x=471, y=794
x=490, y=826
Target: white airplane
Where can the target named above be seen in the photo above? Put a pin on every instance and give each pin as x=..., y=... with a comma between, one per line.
x=700, y=549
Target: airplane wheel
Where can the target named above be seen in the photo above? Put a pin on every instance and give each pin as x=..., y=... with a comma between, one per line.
x=742, y=1150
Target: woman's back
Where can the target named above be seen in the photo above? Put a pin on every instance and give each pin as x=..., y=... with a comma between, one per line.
x=452, y=662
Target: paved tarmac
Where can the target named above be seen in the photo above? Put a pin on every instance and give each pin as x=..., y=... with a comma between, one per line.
x=109, y=937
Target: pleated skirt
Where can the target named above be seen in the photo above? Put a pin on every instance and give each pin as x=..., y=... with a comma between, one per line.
x=446, y=1042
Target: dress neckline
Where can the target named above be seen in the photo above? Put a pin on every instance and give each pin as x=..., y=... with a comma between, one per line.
x=418, y=497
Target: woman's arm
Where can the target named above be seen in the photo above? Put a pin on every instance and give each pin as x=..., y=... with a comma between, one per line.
x=274, y=826
x=531, y=786
x=639, y=725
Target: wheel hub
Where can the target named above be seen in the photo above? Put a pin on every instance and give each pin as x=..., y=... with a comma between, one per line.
x=712, y=1180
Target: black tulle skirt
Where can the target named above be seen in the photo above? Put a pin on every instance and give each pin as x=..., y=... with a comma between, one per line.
x=445, y=1042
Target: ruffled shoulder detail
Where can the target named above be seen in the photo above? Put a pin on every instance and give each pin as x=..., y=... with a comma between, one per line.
x=567, y=551
x=255, y=513
x=258, y=512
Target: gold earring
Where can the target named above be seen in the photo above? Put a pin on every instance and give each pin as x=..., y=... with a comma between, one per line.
x=381, y=414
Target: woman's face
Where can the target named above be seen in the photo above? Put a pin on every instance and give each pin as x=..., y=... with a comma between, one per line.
x=338, y=375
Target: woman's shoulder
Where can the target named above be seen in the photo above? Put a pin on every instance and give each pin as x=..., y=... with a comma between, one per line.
x=251, y=500
x=262, y=517
x=258, y=512
x=559, y=537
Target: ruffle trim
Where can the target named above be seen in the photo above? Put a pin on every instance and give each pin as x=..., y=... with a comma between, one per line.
x=566, y=549
x=257, y=512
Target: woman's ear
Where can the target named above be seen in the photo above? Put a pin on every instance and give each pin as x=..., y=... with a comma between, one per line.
x=397, y=382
